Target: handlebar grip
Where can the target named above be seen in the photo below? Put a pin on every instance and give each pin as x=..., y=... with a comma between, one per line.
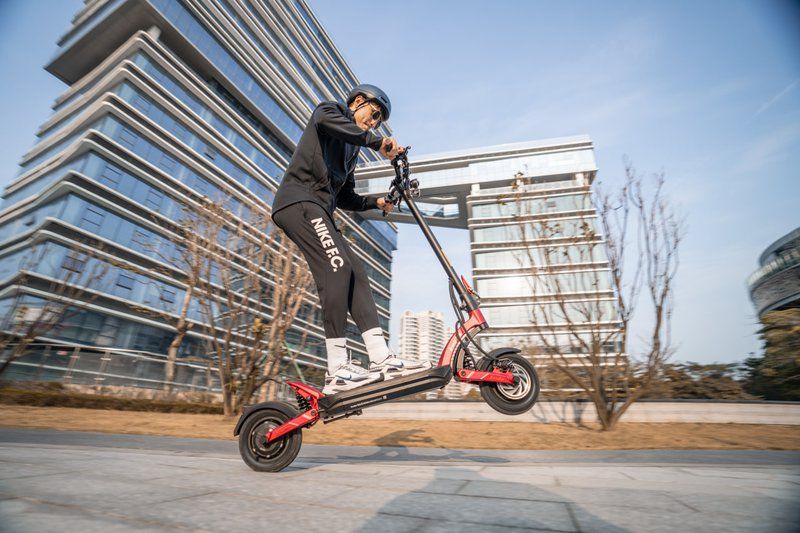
x=388, y=199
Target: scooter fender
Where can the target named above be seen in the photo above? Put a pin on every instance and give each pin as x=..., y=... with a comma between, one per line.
x=494, y=354
x=484, y=362
x=285, y=408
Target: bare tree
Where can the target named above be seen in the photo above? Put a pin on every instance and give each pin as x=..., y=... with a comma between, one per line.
x=586, y=274
x=78, y=276
x=252, y=290
x=186, y=261
x=182, y=248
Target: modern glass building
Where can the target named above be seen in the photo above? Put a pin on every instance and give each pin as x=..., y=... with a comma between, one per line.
x=501, y=194
x=776, y=283
x=168, y=101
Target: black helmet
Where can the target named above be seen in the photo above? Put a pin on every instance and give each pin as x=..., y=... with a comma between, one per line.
x=370, y=92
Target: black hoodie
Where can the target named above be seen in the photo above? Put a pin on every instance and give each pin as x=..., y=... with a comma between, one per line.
x=322, y=166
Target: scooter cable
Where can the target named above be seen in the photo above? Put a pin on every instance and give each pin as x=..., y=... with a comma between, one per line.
x=460, y=322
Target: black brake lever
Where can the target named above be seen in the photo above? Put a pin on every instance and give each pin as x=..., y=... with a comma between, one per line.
x=400, y=164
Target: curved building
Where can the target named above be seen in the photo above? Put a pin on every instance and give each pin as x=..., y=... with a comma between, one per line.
x=776, y=284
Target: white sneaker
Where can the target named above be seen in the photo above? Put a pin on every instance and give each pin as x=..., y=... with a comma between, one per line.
x=394, y=367
x=349, y=376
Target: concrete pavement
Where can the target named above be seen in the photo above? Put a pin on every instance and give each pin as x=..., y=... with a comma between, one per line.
x=101, y=482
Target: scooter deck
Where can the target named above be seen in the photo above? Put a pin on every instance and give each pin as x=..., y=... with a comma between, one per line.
x=384, y=391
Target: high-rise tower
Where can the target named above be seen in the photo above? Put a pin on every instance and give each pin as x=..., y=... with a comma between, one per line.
x=168, y=101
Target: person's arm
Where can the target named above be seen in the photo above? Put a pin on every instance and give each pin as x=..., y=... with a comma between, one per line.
x=331, y=121
x=350, y=200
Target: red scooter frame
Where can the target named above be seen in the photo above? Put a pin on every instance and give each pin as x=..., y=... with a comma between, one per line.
x=474, y=324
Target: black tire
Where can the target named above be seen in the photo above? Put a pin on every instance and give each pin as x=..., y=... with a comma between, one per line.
x=252, y=442
x=511, y=399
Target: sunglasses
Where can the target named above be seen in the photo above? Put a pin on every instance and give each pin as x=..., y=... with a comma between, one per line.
x=377, y=114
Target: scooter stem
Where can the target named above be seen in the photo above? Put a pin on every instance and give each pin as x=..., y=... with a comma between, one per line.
x=469, y=302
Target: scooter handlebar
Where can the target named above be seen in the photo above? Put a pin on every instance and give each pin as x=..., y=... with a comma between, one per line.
x=400, y=164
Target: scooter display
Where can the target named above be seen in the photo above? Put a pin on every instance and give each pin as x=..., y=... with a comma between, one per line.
x=270, y=433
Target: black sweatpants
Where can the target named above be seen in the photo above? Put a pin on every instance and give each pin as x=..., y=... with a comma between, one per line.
x=342, y=282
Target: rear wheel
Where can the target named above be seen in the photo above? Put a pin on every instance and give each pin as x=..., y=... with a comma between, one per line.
x=516, y=398
x=253, y=446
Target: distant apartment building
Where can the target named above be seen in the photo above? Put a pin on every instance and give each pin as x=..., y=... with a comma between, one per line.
x=776, y=283
x=423, y=336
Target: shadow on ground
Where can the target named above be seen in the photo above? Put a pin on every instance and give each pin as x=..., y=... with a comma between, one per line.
x=389, y=450
x=482, y=504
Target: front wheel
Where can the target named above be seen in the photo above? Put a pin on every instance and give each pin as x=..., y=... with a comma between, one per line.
x=518, y=397
x=253, y=447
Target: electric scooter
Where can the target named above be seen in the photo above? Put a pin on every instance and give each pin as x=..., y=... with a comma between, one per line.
x=270, y=433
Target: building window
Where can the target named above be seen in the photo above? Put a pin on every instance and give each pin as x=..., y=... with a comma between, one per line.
x=168, y=296
x=142, y=104
x=214, y=274
x=140, y=239
x=92, y=219
x=153, y=199
x=107, y=336
x=126, y=282
x=611, y=347
x=128, y=138
x=74, y=263
x=110, y=177
x=200, y=186
x=223, y=236
x=167, y=163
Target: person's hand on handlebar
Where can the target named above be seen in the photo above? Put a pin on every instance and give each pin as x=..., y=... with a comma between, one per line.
x=390, y=148
x=385, y=205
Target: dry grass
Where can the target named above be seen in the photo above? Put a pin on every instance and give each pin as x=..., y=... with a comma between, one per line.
x=445, y=434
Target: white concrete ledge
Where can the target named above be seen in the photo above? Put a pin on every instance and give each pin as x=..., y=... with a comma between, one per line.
x=544, y=412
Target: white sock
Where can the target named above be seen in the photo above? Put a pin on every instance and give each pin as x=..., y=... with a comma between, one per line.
x=337, y=353
x=376, y=345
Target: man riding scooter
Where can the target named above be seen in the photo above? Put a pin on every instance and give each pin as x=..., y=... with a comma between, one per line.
x=317, y=181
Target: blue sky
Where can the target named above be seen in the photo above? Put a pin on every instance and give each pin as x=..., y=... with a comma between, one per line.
x=708, y=92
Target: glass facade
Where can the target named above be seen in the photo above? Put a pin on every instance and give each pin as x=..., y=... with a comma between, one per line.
x=527, y=257
x=182, y=109
x=534, y=231
x=513, y=286
x=555, y=249
x=550, y=314
x=776, y=284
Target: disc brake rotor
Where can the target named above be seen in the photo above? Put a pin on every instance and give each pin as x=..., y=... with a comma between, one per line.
x=258, y=439
x=521, y=386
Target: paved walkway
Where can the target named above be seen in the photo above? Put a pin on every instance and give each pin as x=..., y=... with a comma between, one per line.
x=67, y=481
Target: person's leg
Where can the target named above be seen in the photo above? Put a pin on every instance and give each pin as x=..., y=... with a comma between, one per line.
x=310, y=228
x=363, y=310
x=365, y=314
x=340, y=288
